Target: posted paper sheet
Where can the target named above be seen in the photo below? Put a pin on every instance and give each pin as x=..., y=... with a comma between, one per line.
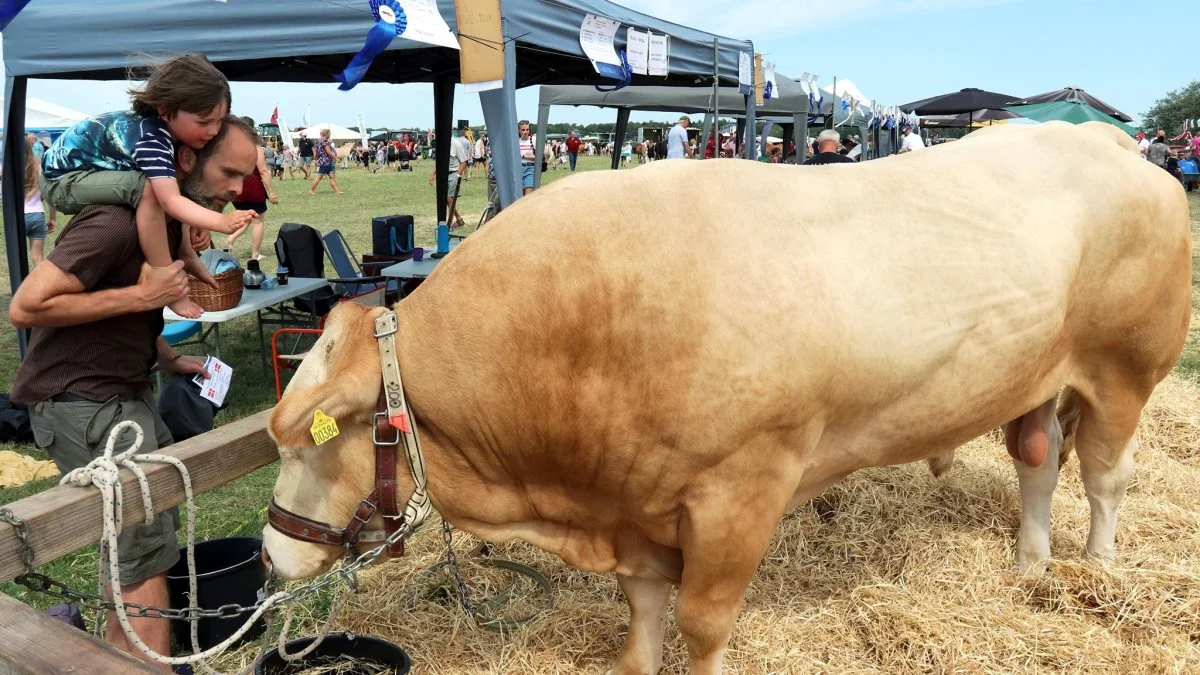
x=637, y=50
x=660, y=49
x=596, y=38
x=425, y=24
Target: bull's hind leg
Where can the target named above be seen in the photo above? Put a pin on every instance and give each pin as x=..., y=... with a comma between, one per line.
x=1106, y=442
x=723, y=537
x=1034, y=441
x=642, y=652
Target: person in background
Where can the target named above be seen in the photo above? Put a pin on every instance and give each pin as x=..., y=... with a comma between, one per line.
x=326, y=158
x=828, y=142
x=458, y=169
x=911, y=141
x=1159, y=151
x=39, y=217
x=573, y=144
x=304, y=148
x=257, y=188
x=1143, y=143
x=677, y=140
x=528, y=156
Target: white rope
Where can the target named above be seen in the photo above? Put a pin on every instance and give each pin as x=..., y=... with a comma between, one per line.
x=104, y=473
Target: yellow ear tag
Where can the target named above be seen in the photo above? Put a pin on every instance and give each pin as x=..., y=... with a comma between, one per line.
x=324, y=428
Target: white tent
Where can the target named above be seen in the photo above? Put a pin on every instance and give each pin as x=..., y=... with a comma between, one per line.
x=337, y=132
x=41, y=115
x=847, y=88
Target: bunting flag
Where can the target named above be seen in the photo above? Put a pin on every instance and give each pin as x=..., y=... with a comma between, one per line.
x=390, y=21
x=9, y=9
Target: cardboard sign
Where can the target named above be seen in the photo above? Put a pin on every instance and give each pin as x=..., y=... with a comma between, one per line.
x=481, y=42
x=758, y=79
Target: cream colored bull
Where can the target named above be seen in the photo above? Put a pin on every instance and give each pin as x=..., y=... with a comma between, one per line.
x=649, y=395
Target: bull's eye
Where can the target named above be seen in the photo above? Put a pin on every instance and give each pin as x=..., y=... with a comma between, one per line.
x=329, y=348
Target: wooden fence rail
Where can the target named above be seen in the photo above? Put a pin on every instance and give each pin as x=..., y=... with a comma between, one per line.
x=65, y=519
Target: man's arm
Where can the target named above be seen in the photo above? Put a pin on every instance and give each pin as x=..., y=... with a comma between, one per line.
x=51, y=297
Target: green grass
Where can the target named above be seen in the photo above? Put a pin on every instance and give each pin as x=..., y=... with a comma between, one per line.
x=239, y=507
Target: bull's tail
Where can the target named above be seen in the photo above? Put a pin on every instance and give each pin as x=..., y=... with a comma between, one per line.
x=1069, y=409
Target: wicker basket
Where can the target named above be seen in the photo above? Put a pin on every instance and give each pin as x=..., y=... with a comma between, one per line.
x=226, y=295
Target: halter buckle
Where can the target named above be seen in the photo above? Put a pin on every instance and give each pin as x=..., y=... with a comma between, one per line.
x=376, y=420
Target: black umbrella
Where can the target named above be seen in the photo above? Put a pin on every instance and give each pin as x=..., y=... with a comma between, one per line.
x=955, y=103
x=967, y=119
x=1074, y=94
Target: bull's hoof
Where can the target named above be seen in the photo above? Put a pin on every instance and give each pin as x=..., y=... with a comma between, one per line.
x=1031, y=564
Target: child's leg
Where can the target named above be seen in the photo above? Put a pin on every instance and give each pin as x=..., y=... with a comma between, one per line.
x=152, y=230
x=152, y=237
x=73, y=191
x=191, y=260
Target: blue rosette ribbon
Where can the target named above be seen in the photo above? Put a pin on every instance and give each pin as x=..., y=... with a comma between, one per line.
x=390, y=22
x=623, y=73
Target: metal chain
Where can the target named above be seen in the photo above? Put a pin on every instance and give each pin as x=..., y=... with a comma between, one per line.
x=22, y=530
x=464, y=597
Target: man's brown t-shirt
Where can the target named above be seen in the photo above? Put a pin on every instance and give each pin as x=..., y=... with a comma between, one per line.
x=105, y=358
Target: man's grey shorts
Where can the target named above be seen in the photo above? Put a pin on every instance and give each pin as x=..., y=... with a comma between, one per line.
x=74, y=433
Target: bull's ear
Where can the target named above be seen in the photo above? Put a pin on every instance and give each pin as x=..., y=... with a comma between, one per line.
x=350, y=392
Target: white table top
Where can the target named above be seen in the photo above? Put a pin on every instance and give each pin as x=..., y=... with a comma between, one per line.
x=254, y=299
x=410, y=269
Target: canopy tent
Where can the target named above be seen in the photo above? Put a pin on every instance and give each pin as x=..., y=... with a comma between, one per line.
x=1076, y=94
x=46, y=116
x=337, y=132
x=789, y=102
x=1075, y=112
x=310, y=41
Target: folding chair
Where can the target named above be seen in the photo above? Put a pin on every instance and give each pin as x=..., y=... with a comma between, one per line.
x=347, y=266
x=290, y=359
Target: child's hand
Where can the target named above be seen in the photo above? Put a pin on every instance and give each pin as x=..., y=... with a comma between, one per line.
x=235, y=220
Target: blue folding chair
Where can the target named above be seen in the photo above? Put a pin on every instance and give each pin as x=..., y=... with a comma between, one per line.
x=178, y=333
x=350, y=271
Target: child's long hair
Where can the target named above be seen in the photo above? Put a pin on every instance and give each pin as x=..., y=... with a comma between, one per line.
x=32, y=171
x=190, y=83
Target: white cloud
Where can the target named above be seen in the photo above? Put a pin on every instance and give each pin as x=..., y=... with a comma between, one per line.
x=758, y=19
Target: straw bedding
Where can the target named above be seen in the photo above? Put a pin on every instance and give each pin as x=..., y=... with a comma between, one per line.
x=891, y=570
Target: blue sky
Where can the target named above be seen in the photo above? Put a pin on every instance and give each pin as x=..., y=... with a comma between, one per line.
x=1128, y=54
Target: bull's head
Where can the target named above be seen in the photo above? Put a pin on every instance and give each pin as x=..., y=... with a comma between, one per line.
x=340, y=377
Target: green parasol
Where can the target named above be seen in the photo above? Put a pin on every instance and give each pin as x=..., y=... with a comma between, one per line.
x=1073, y=111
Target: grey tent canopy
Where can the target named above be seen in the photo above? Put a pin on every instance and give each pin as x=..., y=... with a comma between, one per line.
x=309, y=41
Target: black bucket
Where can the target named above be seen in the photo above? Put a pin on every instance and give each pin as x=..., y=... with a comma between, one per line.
x=228, y=571
x=373, y=652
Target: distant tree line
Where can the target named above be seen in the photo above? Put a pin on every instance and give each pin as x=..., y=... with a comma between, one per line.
x=1171, y=110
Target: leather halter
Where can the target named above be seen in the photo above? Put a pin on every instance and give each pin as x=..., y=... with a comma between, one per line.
x=391, y=425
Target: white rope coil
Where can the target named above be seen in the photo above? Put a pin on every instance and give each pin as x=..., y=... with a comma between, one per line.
x=104, y=473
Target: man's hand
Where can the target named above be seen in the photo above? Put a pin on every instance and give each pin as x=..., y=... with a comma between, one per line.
x=201, y=239
x=184, y=365
x=50, y=225
x=160, y=286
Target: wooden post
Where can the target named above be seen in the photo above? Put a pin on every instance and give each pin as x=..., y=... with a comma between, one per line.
x=64, y=519
x=36, y=643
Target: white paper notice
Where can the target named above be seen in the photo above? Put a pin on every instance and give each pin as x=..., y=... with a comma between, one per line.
x=216, y=387
x=745, y=69
x=425, y=24
x=596, y=37
x=637, y=50
x=477, y=87
x=660, y=50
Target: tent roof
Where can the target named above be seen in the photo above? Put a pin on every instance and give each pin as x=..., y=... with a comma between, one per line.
x=695, y=99
x=336, y=132
x=41, y=114
x=310, y=40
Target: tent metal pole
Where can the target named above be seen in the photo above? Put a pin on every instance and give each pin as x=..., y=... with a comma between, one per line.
x=443, y=124
x=14, y=189
x=539, y=148
x=716, y=101
x=619, y=140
